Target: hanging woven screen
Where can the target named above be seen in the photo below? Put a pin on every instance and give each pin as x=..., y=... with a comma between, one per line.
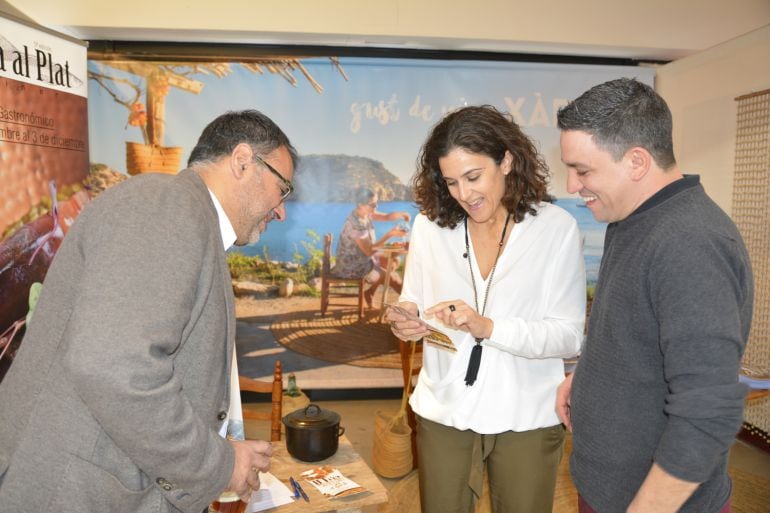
x=751, y=212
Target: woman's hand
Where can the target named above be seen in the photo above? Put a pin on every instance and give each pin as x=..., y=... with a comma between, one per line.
x=460, y=316
x=405, y=324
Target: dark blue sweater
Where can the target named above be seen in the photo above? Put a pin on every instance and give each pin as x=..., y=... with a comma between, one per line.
x=658, y=377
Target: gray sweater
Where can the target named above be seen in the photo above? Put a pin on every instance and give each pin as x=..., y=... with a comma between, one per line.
x=658, y=377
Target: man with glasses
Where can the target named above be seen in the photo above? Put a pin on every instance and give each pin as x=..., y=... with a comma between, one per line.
x=286, y=186
x=120, y=389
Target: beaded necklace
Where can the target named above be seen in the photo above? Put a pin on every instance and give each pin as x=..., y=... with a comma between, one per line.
x=475, y=360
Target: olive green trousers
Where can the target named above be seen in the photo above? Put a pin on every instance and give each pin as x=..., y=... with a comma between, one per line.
x=521, y=468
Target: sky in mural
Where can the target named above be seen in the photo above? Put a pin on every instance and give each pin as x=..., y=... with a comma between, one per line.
x=383, y=111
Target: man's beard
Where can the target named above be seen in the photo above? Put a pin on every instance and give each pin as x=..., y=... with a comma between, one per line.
x=256, y=233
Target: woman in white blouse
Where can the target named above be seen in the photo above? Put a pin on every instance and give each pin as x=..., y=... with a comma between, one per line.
x=499, y=270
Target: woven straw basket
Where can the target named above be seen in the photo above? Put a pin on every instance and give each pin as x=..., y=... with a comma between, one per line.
x=392, y=448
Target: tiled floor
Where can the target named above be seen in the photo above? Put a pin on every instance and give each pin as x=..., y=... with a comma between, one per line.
x=358, y=420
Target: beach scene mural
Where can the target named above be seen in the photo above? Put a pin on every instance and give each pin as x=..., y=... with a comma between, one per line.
x=356, y=122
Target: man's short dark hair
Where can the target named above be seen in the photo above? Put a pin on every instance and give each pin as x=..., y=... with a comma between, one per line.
x=621, y=114
x=221, y=136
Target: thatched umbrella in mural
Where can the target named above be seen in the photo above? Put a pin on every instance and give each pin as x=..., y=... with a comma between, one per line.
x=159, y=78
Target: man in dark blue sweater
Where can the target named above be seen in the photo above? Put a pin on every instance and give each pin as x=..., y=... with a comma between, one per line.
x=655, y=402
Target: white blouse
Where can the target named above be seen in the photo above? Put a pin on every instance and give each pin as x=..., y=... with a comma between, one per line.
x=537, y=303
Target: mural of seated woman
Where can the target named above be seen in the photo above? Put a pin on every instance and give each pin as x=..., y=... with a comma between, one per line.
x=357, y=244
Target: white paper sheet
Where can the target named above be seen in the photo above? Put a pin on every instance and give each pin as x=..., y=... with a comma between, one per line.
x=272, y=492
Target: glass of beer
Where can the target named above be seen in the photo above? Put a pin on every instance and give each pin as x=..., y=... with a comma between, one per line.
x=228, y=502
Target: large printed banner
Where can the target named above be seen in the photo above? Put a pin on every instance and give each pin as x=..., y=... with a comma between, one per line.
x=355, y=122
x=43, y=160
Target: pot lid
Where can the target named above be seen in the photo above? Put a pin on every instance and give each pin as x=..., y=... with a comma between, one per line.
x=312, y=417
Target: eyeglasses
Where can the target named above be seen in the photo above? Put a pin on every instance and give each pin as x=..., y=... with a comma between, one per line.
x=287, y=187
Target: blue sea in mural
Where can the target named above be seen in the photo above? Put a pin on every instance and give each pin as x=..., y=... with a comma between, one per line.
x=283, y=240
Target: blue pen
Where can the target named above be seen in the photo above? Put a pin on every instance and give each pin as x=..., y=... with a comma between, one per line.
x=294, y=486
x=304, y=495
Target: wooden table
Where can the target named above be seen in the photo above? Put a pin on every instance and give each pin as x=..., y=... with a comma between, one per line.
x=389, y=252
x=349, y=463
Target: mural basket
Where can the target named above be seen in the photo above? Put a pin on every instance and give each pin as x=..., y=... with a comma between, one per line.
x=145, y=158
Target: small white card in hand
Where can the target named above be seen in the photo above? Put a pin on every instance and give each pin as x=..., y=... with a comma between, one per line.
x=272, y=493
x=436, y=337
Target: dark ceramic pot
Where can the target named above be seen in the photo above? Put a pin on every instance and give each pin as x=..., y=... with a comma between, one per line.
x=312, y=433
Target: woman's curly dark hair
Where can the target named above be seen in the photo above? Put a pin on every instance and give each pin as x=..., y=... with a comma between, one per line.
x=482, y=130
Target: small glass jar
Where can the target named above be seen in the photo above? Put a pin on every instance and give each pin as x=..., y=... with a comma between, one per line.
x=292, y=390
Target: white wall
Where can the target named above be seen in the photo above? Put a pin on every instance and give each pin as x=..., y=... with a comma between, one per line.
x=652, y=29
x=701, y=91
